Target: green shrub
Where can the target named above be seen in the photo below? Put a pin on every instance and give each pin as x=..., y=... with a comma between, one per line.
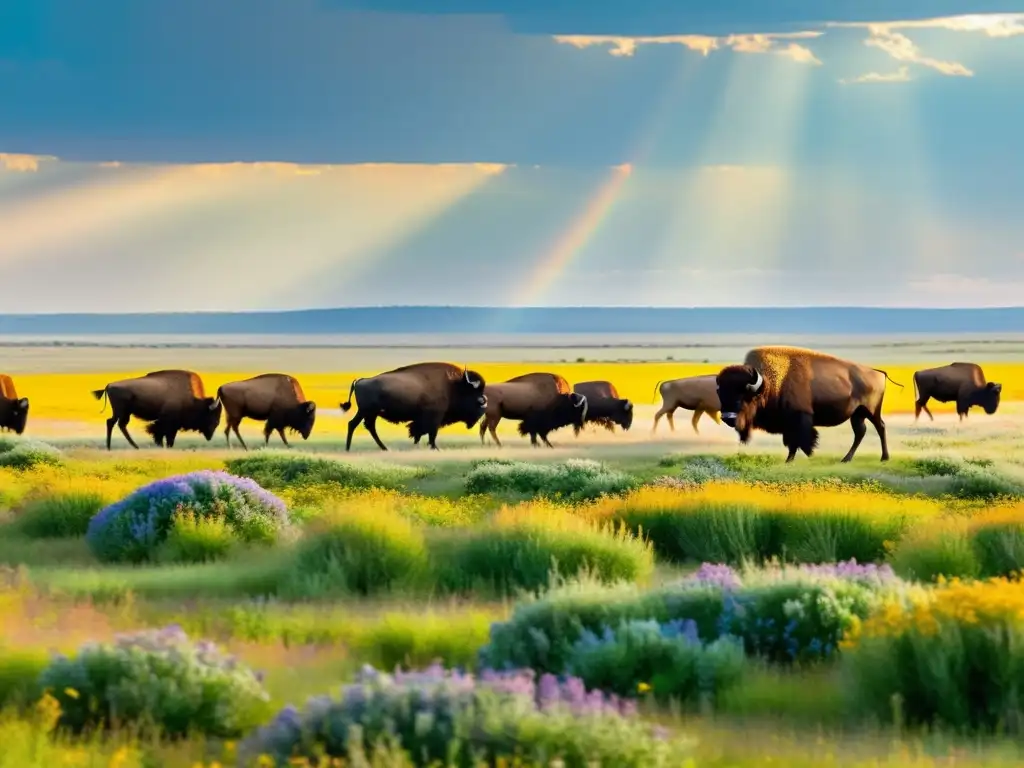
x=668, y=659
x=573, y=480
x=523, y=548
x=942, y=466
x=19, y=677
x=983, y=484
x=63, y=515
x=358, y=548
x=22, y=453
x=437, y=717
x=196, y=539
x=134, y=528
x=157, y=680
x=998, y=543
x=273, y=469
x=941, y=549
x=950, y=656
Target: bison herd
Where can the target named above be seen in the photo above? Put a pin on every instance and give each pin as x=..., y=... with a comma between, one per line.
x=783, y=391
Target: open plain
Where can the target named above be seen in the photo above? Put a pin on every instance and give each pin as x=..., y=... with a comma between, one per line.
x=707, y=582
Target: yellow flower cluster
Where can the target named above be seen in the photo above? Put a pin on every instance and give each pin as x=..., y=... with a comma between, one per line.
x=951, y=603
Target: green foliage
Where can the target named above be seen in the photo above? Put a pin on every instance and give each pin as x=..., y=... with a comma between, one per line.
x=22, y=453
x=358, y=549
x=19, y=676
x=999, y=546
x=193, y=538
x=60, y=515
x=276, y=469
x=158, y=681
x=942, y=549
x=525, y=552
x=970, y=479
x=572, y=480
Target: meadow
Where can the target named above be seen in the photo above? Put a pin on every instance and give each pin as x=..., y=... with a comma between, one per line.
x=623, y=599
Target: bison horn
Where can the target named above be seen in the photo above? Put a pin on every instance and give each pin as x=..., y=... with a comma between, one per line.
x=756, y=386
x=310, y=407
x=474, y=384
x=629, y=406
x=23, y=402
x=215, y=404
x=997, y=387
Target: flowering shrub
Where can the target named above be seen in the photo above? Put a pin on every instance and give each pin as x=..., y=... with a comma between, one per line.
x=459, y=719
x=22, y=453
x=573, y=479
x=279, y=470
x=997, y=538
x=782, y=614
x=134, y=527
x=953, y=654
x=668, y=659
x=156, y=678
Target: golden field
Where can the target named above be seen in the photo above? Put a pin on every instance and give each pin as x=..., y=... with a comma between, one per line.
x=62, y=403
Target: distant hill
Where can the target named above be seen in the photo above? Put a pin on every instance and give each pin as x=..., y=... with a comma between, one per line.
x=559, y=320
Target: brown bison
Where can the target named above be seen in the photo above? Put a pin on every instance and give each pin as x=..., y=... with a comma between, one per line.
x=788, y=391
x=13, y=409
x=427, y=396
x=963, y=382
x=173, y=401
x=541, y=402
x=274, y=398
x=604, y=406
x=693, y=393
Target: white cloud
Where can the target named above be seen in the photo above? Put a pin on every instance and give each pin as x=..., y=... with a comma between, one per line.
x=901, y=75
x=23, y=163
x=780, y=44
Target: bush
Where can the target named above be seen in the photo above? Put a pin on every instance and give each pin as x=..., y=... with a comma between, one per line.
x=195, y=539
x=273, y=469
x=782, y=614
x=25, y=454
x=359, y=548
x=951, y=656
x=62, y=515
x=19, y=677
x=439, y=717
x=134, y=528
x=668, y=659
x=979, y=483
x=523, y=547
x=310, y=501
x=998, y=541
x=572, y=480
x=941, y=549
x=734, y=522
x=156, y=680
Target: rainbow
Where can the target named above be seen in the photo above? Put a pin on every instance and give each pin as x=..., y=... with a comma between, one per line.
x=576, y=236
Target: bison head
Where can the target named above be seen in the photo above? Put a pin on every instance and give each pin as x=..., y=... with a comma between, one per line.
x=303, y=418
x=988, y=397
x=625, y=415
x=738, y=389
x=209, y=416
x=468, y=401
x=16, y=414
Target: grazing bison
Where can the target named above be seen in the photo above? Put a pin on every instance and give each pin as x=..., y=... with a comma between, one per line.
x=173, y=401
x=541, y=402
x=963, y=382
x=13, y=409
x=274, y=398
x=427, y=396
x=604, y=406
x=694, y=393
x=790, y=391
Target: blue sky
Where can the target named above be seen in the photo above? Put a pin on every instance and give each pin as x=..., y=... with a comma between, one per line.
x=265, y=154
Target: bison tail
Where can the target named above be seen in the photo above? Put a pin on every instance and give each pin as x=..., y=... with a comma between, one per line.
x=101, y=394
x=347, y=405
x=887, y=376
x=657, y=388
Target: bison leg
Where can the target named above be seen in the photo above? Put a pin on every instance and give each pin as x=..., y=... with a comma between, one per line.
x=354, y=422
x=123, y=426
x=173, y=433
x=696, y=417
x=879, y=425
x=432, y=438
x=371, y=427
x=494, y=434
x=544, y=437
x=110, y=429
x=859, y=430
x=238, y=435
x=715, y=417
x=800, y=435
x=280, y=431
x=922, y=405
x=663, y=411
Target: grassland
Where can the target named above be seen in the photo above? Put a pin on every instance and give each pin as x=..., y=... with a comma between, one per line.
x=411, y=556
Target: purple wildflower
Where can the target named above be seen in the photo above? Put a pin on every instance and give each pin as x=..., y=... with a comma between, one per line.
x=715, y=575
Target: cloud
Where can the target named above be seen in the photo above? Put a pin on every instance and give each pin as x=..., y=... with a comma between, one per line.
x=776, y=43
x=23, y=163
x=901, y=75
x=886, y=37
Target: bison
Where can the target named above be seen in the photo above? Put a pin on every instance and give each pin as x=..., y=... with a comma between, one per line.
x=541, y=402
x=604, y=406
x=13, y=409
x=427, y=396
x=791, y=391
x=173, y=401
x=963, y=382
x=694, y=393
x=274, y=398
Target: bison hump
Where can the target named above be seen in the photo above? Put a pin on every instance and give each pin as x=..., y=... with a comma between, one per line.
x=195, y=383
x=7, y=387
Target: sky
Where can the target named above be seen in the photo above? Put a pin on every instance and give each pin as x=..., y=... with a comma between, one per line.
x=281, y=154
